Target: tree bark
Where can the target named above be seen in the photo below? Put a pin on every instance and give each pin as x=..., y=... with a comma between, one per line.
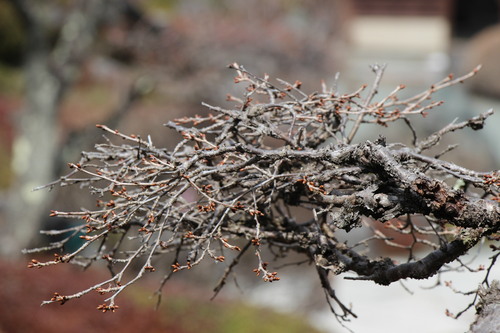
x=488, y=309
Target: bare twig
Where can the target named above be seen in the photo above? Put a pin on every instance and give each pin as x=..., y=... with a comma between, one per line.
x=237, y=174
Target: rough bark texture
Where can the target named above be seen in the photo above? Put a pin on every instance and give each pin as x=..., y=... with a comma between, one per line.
x=488, y=310
x=238, y=174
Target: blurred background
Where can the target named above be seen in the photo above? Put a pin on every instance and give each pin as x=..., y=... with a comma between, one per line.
x=66, y=65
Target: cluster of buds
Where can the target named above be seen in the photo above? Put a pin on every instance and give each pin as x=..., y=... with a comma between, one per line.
x=229, y=246
x=207, y=208
x=492, y=179
x=270, y=277
x=58, y=298
x=106, y=308
x=312, y=186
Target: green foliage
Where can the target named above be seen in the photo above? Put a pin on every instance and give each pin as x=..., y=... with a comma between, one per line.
x=192, y=315
x=11, y=80
x=164, y=5
x=181, y=311
x=189, y=311
x=12, y=37
x=5, y=171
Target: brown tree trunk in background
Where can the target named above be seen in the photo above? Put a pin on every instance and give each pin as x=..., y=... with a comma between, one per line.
x=48, y=74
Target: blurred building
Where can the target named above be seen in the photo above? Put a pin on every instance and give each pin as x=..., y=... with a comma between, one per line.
x=411, y=34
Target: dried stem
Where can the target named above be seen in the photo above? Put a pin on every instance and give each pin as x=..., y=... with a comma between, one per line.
x=236, y=174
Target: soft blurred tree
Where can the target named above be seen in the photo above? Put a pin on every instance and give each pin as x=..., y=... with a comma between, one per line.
x=56, y=44
x=59, y=37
